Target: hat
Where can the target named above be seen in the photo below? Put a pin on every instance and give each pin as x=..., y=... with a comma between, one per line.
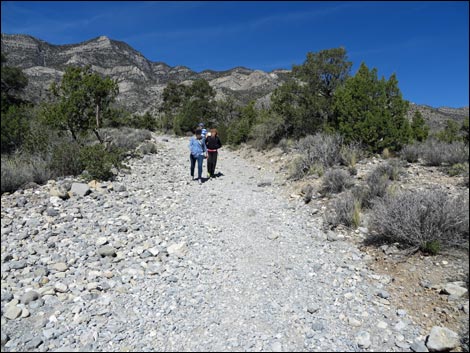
x=201, y=124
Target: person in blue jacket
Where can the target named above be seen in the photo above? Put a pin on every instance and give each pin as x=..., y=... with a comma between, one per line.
x=198, y=150
x=203, y=130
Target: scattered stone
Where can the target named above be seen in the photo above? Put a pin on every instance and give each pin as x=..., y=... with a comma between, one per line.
x=418, y=346
x=455, y=289
x=12, y=312
x=30, y=296
x=363, y=339
x=179, y=249
x=107, y=250
x=59, y=267
x=80, y=189
x=442, y=339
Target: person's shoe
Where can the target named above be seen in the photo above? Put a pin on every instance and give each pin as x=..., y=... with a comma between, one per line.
x=208, y=175
x=199, y=181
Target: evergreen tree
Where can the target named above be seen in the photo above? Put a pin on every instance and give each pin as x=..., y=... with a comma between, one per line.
x=419, y=128
x=83, y=97
x=14, y=119
x=306, y=101
x=372, y=111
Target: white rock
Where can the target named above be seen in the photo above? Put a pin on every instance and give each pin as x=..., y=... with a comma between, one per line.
x=442, y=339
x=179, y=249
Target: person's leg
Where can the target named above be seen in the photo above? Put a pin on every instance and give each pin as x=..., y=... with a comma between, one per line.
x=200, y=159
x=210, y=164
x=214, y=163
x=193, y=164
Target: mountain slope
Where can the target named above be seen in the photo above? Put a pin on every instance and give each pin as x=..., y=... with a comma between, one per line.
x=141, y=82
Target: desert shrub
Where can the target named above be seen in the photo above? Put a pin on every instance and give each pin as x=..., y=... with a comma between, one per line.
x=352, y=170
x=298, y=168
x=285, y=145
x=386, y=153
x=350, y=154
x=411, y=153
x=458, y=169
x=147, y=147
x=321, y=148
x=127, y=138
x=391, y=169
x=317, y=169
x=427, y=219
x=21, y=168
x=346, y=211
x=65, y=159
x=377, y=183
x=98, y=161
x=267, y=131
x=335, y=181
x=437, y=153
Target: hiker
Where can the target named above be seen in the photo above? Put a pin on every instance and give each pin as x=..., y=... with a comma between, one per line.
x=203, y=130
x=213, y=144
x=198, y=150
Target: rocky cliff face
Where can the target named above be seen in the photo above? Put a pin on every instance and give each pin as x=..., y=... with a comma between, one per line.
x=141, y=82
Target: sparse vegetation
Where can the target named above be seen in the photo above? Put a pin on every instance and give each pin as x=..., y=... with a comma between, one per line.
x=429, y=220
x=336, y=181
x=437, y=153
x=346, y=211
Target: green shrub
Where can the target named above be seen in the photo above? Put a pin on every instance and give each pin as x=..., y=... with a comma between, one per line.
x=432, y=247
x=422, y=219
x=335, y=181
x=451, y=132
x=267, y=131
x=419, y=129
x=14, y=128
x=98, y=161
x=65, y=159
x=458, y=169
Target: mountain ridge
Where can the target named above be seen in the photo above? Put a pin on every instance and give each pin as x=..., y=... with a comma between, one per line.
x=142, y=81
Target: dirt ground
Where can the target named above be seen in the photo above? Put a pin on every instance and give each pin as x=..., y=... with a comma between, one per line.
x=416, y=279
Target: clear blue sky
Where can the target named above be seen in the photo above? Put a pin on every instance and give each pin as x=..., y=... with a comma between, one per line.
x=424, y=43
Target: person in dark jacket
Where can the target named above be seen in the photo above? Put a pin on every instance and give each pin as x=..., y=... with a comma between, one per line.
x=213, y=144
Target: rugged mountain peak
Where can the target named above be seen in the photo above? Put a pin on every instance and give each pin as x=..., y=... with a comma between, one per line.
x=141, y=81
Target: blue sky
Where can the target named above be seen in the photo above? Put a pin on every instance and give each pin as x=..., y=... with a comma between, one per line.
x=424, y=43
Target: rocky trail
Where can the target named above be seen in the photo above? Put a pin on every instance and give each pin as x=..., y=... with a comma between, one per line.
x=153, y=261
